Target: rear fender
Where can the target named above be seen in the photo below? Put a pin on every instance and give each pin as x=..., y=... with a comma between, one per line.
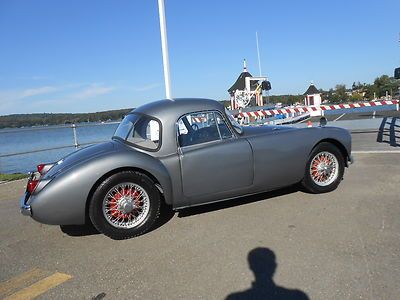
x=64, y=200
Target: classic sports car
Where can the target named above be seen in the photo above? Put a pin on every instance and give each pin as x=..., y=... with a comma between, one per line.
x=183, y=152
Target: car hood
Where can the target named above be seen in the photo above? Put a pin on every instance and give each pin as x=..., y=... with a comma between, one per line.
x=79, y=156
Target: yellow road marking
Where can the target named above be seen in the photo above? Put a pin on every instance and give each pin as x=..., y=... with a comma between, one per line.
x=40, y=287
x=21, y=280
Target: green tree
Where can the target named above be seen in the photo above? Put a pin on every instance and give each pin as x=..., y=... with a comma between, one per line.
x=356, y=97
x=385, y=84
x=340, y=93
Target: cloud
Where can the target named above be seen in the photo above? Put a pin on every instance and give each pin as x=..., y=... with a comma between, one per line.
x=42, y=98
x=15, y=95
x=146, y=87
x=93, y=91
x=32, y=77
x=38, y=91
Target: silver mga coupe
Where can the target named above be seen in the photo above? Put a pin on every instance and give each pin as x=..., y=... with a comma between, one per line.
x=182, y=152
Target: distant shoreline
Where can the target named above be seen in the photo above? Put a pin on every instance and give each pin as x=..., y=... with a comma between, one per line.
x=56, y=126
x=44, y=120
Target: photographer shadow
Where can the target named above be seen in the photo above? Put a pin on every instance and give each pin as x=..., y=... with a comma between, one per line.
x=262, y=262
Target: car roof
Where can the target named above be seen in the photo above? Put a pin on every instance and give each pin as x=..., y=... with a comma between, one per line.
x=175, y=108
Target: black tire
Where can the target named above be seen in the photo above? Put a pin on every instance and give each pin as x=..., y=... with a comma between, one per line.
x=310, y=184
x=104, y=225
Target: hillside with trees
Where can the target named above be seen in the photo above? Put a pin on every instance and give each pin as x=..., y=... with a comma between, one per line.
x=44, y=119
x=357, y=92
x=382, y=86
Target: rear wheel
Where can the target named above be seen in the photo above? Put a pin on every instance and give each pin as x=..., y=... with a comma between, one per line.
x=125, y=205
x=324, y=169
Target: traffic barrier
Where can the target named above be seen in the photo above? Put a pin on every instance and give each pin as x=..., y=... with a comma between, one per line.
x=304, y=109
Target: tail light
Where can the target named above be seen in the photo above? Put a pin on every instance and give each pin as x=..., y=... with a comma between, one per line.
x=40, y=168
x=32, y=184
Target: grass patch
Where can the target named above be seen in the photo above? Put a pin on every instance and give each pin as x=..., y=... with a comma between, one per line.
x=10, y=177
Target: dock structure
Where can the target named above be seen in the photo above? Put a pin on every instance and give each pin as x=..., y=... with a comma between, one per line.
x=247, y=91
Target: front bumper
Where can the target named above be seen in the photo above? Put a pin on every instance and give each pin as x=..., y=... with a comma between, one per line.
x=25, y=208
x=351, y=160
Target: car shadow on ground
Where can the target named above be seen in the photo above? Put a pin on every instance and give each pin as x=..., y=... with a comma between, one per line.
x=262, y=262
x=79, y=230
x=166, y=212
x=190, y=211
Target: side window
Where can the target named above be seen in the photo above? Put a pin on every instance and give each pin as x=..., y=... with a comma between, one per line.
x=197, y=128
x=223, y=128
x=145, y=133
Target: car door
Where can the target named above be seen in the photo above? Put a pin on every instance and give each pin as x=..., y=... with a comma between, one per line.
x=279, y=157
x=213, y=160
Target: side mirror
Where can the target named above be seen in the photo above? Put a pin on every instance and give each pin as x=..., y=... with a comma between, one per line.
x=323, y=121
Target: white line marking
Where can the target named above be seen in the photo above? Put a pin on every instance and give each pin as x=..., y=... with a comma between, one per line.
x=375, y=151
x=339, y=117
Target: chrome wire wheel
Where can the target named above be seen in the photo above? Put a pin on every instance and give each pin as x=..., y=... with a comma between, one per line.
x=324, y=168
x=126, y=205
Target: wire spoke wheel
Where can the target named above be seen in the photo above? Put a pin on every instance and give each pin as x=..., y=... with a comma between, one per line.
x=324, y=168
x=126, y=205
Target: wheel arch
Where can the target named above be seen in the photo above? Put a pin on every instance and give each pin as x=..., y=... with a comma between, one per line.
x=338, y=144
x=118, y=170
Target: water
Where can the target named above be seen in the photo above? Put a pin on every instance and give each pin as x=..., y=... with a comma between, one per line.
x=29, y=140
x=33, y=139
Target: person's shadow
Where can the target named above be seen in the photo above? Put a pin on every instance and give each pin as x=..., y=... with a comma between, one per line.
x=262, y=262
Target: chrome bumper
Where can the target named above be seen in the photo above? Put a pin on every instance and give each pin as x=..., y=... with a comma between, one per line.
x=25, y=208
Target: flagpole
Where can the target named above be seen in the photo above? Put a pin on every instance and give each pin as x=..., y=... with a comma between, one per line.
x=258, y=54
x=164, y=46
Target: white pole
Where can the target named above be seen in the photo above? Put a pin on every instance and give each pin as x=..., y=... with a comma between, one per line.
x=164, y=46
x=258, y=54
x=75, y=137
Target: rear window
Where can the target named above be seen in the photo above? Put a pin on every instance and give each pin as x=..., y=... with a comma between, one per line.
x=140, y=130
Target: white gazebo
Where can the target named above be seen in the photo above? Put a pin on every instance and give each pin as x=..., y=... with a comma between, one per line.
x=312, y=96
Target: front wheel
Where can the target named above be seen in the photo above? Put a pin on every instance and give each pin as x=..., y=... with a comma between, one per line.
x=324, y=169
x=125, y=205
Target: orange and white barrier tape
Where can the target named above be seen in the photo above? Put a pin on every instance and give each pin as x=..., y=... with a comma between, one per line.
x=272, y=112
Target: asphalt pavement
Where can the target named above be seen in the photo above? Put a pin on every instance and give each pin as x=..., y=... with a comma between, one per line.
x=340, y=245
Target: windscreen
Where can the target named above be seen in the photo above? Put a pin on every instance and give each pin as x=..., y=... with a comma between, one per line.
x=234, y=123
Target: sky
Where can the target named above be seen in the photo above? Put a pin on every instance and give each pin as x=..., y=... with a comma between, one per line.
x=94, y=55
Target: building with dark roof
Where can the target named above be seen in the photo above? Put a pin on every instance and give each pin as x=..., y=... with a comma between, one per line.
x=250, y=95
x=312, y=90
x=312, y=96
x=240, y=83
